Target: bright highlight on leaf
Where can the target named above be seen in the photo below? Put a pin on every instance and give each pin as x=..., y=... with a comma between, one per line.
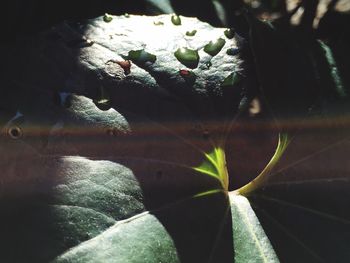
x=215, y=166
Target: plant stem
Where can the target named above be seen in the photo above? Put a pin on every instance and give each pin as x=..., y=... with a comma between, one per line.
x=283, y=141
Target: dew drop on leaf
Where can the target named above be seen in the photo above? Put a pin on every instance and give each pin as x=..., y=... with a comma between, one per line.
x=158, y=23
x=141, y=56
x=187, y=57
x=191, y=33
x=125, y=64
x=107, y=18
x=231, y=80
x=176, y=20
x=214, y=47
x=229, y=33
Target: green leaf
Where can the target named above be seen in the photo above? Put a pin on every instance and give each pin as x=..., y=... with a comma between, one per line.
x=157, y=236
x=251, y=243
x=215, y=166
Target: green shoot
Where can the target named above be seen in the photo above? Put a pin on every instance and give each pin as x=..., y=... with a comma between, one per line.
x=283, y=142
x=215, y=166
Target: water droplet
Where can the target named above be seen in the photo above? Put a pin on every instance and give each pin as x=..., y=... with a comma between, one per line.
x=231, y=80
x=191, y=33
x=187, y=57
x=15, y=132
x=126, y=15
x=232, y=51
x=208, y=64
x=188, y=75
x=158, y=23
x=107, y=18
x=229, y=33
x=141, y=56
x=176, y=20
x=125, y=64
x=214, y=47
